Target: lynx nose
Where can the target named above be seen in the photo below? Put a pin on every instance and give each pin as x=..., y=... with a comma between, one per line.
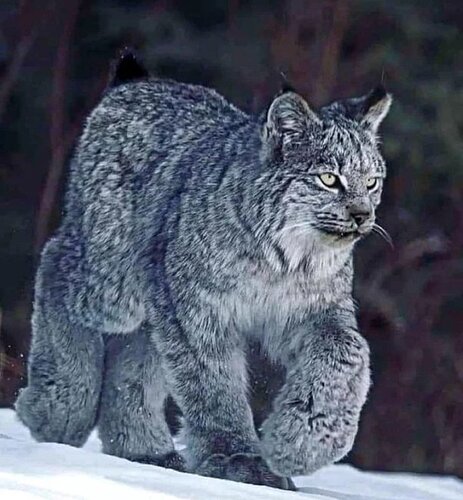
x=360, y=214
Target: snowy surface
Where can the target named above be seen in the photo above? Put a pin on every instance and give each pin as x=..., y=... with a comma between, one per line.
x=30, y=470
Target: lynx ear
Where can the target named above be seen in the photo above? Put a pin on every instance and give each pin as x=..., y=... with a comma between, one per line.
x=370, y=109
x=288, y=116
x=376, y=107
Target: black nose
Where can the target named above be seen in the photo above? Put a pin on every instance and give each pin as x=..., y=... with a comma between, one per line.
x=359, y=214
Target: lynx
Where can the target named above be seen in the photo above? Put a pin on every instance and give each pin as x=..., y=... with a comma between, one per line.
x=191, y=229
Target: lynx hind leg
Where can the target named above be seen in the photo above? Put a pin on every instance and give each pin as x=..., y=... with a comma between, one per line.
x=65, y=367
x=132, y=421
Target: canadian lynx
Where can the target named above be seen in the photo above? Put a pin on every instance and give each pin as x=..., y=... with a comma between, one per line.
x=191, y=229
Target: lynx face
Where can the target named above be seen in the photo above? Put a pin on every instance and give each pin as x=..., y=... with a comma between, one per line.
x=329, y=167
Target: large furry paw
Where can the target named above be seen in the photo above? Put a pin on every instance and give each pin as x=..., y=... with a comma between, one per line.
x=172, y=460
x=297, y=441
x=244, y=468
x=49, y=420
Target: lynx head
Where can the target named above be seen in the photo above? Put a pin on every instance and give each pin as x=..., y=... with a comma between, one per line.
x=327, y=169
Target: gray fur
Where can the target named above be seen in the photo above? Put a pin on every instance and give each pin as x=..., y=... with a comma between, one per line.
x=132, y=421
x=66, y=365
x=203, y=227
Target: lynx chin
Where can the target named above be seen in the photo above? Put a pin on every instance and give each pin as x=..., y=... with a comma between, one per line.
x=191, y=229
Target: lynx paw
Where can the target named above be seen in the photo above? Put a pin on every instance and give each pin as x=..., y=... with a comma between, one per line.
x=48, y=419
x=244, y=468
x=171, y=460
x=297, y=442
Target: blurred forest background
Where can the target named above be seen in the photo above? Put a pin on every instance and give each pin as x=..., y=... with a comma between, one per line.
x=54, y=63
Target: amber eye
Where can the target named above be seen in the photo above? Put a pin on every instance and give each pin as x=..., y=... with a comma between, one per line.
x=329, y=180
x=372, y=182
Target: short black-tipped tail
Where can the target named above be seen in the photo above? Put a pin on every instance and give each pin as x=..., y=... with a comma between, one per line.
x=127, y=68
x=285, y=84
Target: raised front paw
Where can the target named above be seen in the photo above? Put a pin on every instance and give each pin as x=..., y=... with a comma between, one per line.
x=244, y=468
x=297, y=441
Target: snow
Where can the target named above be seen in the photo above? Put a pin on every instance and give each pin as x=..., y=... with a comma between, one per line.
x=30, y=470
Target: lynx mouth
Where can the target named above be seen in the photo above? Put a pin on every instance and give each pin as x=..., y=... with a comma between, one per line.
x=340, y=235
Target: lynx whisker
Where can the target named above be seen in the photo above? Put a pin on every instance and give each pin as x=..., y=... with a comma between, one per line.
x=384, y=234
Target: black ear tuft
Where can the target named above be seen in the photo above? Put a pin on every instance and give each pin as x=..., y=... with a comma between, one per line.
x=374, y=96
x=369, y=109
x=127, y=68
x=376, y=107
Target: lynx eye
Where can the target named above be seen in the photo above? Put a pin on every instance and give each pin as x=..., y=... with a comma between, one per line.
x=329, y=180
x=372, y=183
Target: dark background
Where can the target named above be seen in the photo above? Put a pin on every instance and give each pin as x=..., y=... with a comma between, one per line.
x=54, y=60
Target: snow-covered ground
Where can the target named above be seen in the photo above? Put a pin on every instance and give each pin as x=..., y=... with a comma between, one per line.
x=30, y=470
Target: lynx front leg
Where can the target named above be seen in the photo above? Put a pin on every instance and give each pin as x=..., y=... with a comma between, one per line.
x=206, y=373
x=316, y=414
